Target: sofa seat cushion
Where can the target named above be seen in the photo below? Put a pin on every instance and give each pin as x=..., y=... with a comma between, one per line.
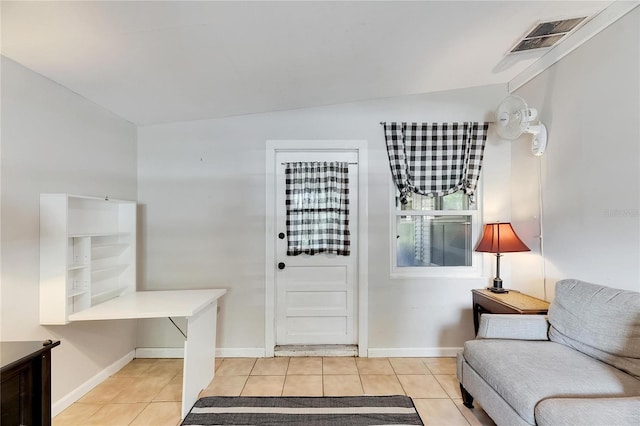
x=588, y=411
x=524, y=373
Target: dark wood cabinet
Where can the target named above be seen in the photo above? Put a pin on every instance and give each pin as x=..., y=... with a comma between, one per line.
x=25, y=383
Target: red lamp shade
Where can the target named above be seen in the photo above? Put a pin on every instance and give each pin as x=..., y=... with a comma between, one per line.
x=500, y=238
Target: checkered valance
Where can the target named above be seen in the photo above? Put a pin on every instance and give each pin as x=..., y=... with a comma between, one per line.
x=317, y=201
x=435, y=159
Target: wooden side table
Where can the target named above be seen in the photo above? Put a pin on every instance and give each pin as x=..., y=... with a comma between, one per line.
x=513, y=302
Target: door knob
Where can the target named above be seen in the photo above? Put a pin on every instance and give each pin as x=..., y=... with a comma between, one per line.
x=281, y=235
x=281, y=265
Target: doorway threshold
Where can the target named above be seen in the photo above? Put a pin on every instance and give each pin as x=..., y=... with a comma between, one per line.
x=316, y=350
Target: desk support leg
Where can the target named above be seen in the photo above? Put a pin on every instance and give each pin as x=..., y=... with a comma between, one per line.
x=199, y=355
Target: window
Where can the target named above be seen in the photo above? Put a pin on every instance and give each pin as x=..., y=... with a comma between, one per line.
x=435, y=236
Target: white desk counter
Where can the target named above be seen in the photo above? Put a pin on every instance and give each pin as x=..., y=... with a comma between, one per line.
x=151, y=304
x=199, y=307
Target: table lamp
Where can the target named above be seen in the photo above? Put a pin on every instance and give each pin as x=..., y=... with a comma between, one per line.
x=499, y=238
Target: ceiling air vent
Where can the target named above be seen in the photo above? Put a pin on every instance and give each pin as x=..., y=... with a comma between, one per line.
x=546, y=34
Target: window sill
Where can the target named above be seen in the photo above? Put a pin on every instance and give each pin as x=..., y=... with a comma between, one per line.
x=437, y=273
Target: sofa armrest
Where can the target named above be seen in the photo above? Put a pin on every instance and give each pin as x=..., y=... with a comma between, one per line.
x=520, y=327
x=588, y=411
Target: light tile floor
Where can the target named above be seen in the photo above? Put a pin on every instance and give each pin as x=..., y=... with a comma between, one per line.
x=147, y=392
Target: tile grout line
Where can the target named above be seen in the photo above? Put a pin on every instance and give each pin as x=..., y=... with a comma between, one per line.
x=138, y=415
x=438, y=377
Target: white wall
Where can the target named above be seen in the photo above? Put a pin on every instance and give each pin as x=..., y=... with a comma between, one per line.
x=55, y=141
x=590, y=102
x=201, y=190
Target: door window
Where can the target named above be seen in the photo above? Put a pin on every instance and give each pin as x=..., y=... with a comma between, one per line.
x=317, y=201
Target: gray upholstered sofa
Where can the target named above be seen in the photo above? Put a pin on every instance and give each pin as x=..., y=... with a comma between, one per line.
x=579, y=366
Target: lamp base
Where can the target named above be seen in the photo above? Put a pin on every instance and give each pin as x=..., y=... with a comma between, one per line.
x=497, y=286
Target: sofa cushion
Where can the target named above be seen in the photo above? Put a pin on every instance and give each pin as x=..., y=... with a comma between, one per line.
x=524, y=373
x=588, y=411
x=599, y=321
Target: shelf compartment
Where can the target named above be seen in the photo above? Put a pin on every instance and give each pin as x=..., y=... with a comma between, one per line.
x=77, y=292
x=76, y=266
x=101, y=251
x=108, y=271
x=78, y=252
x=103, y=296
x=99, y=234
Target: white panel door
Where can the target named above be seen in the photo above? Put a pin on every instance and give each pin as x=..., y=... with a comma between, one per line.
x=316, y=301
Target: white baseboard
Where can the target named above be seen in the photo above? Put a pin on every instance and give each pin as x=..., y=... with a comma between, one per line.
x=58, y=406
x=260, y=352
x=412, y=352
x=220, y=353
x=159, y=352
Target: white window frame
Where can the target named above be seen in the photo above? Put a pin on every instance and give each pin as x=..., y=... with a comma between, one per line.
x=473, y=271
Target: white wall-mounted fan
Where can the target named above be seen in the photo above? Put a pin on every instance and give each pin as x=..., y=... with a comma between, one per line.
x=514, y=117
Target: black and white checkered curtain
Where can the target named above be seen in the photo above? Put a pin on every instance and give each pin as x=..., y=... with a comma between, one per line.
x=435, y=159
x=317, y=201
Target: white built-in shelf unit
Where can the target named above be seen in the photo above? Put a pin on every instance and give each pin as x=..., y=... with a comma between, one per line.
x=87, y=253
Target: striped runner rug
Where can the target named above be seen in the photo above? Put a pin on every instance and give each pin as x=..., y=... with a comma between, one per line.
x=304, y=410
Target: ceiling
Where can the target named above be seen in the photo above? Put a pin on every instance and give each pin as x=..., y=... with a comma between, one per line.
x=159, y=61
